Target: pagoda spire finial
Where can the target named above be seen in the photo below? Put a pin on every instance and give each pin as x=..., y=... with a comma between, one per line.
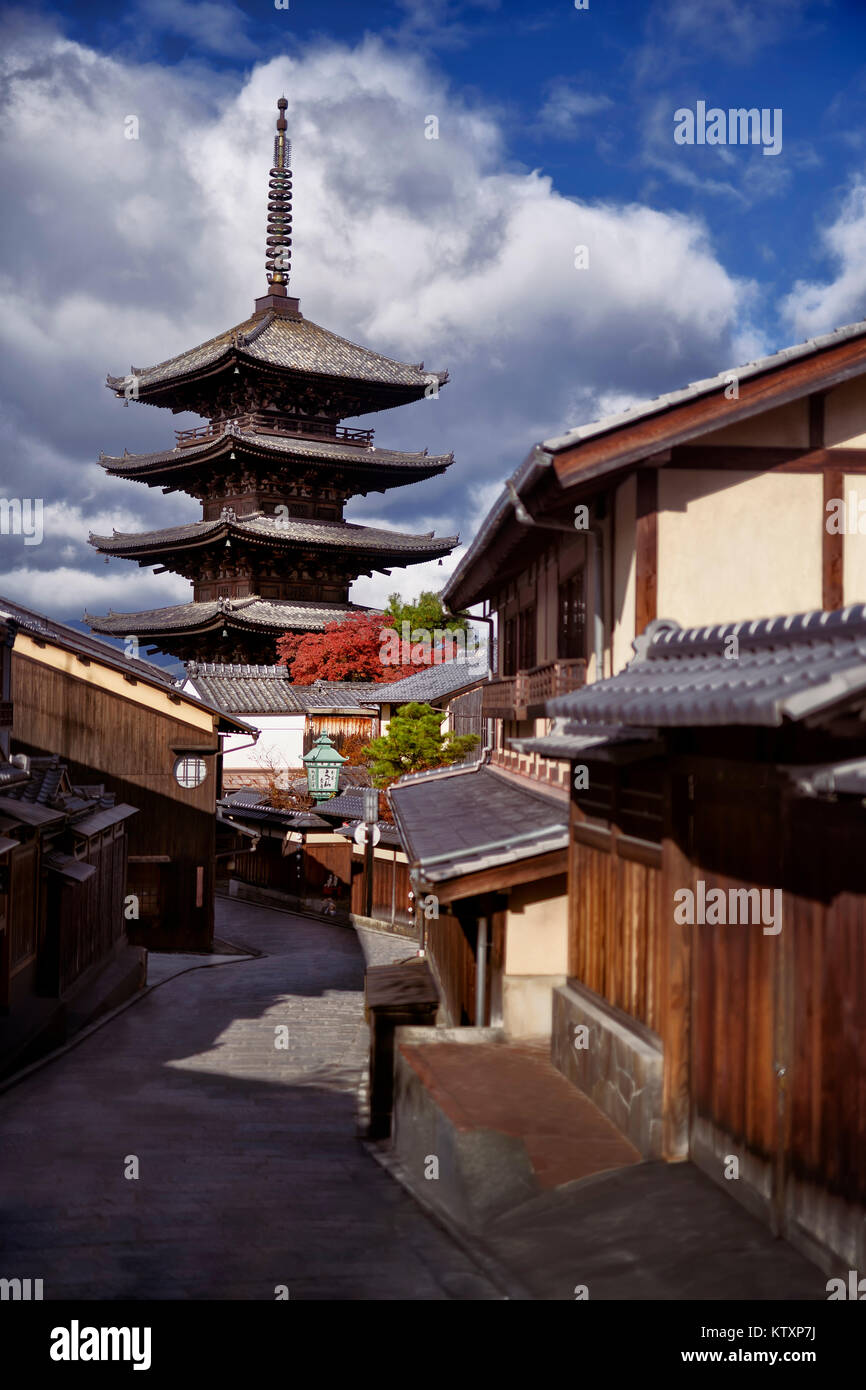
x=279, y=241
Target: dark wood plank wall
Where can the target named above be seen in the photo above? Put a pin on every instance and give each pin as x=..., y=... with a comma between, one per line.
x=735, y=844
x=614, y=921
x=390, y=889
x=825, y=1178
x=88, y=917
x=55, y=713
x=764, y=1035
x=453, y=954
x=23, y=897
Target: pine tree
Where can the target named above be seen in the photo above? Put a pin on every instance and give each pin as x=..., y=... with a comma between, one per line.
x=413, y=743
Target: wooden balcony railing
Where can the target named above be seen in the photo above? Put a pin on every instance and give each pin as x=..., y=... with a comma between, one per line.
x=523, y=696
x=271, y=423
x=553, y=678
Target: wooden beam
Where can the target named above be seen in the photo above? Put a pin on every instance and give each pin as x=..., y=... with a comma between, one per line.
x=832, y=545
x=646, y=550
x=608, y=453
x=773, y=459
x=503, y=876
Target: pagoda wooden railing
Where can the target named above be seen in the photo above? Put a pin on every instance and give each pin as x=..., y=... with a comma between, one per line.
x=524, y=695
x=271, y=423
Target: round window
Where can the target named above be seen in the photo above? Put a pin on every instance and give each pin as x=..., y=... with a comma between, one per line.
x=190, y=771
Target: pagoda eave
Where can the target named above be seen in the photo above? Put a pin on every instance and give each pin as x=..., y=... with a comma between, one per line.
x=342, y=539
x=251, y=625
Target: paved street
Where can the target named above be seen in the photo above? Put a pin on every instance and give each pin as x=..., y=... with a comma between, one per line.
x=250, y=1173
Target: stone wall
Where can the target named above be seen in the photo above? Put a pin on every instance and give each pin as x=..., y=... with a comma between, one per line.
x=620, y=1068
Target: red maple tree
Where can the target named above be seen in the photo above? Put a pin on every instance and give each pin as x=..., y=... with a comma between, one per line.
x=351, y=649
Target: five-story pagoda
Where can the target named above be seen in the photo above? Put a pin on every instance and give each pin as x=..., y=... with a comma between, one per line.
x=273, y=469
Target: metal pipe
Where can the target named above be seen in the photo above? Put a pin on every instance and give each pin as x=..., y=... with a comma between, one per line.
x=597, y=534
x=481, y=974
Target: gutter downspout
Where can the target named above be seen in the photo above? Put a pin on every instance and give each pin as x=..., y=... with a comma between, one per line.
x=481, y=974
x=523, y=515
x=597, y=535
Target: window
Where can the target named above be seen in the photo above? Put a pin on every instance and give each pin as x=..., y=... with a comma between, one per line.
x=190, y=771
x=526, y=629
x=509, y=647
x=571, y=642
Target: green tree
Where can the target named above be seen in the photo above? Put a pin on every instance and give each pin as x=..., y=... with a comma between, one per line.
x=425, y=611
x=413, y=743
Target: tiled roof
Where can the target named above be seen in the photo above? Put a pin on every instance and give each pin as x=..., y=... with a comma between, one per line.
x=292, y=531
x=539, y=460
x=280, y=444
x=758, y=673
x=432, y=682
x=37, y=625
x=295, y=344
x=245, y=689
x=460, y=820
x=266, y=615
x=269, y=690
x=248, y=689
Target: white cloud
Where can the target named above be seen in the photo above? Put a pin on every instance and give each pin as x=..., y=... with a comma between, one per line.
x=814, y=307
x=566, y=105
x=424, y=249
x=64, y=593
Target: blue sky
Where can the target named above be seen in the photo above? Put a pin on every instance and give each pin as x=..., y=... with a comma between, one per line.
x=555, y=129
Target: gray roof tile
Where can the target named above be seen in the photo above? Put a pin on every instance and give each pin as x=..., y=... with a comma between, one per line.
x=296, y=344
x=459, y=820
x=784, y=668
x=291, y=531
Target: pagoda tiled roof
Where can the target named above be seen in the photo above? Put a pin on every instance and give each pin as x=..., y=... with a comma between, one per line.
x=252, y=613
x=300, y=448
x=294, y=344
x=331, y=535
x=280, y=444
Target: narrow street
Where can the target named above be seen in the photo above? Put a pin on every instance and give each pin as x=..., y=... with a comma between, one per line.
x=250, y=1172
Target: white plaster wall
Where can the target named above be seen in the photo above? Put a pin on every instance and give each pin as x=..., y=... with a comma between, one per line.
x=282, y=735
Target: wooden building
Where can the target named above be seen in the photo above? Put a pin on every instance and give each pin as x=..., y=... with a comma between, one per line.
x=735, y=497
x=313, y=863
x=715, y=1006
x=290, y=717
x=64, y=952
x=273, y=468
x=123, y=722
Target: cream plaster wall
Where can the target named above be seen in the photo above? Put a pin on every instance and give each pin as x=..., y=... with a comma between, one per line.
x=738, y=545
x=536, y=928
x=624, y=572
x=787, y=424
x=845, y=415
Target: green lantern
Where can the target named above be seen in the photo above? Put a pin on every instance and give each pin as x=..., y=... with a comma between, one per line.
x=323, y=768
